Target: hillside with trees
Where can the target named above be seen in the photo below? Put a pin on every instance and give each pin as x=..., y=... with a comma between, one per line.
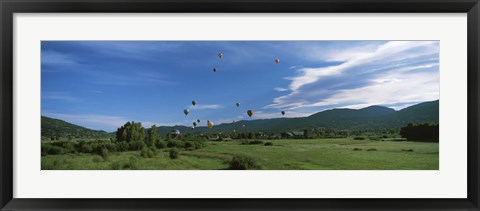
x=56, y=129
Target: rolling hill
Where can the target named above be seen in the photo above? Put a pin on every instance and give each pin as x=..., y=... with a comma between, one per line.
x=372, y=117
x=52, y=128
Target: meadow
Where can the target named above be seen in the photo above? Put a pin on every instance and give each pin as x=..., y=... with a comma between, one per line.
x=281, y=154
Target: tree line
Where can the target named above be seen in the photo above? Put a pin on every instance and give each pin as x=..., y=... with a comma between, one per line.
x=421, y=132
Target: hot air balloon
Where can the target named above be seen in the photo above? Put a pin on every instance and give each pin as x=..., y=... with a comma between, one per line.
x=220, y=55
x=209, y=124
x=238, y=104
x=194, y=124
x=250, y=113
x=283, y=112
x=277, y=60
x=194, y=102
x=198, y=120
x=186, y=111
x=214, y=70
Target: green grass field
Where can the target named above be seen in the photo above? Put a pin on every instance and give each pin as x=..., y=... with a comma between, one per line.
x=295, y=154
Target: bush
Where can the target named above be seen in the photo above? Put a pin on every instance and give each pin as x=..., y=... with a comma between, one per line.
x=116, y=165
x=85, y=148
x=160, y=144
x=251, y=142
x=48, y=149
x=268, y=144
x=372, y=149
x=242, y=162
x=132, y=163
x=104, y=153
x=173, y=154
x=111, y=147
x=137, y=145
x=96, y=159
x=148, y=152
x=171, y=144
x=359, y=138
x=189, y=145
x=420, y=132
x=357, y=149
x=122, y=146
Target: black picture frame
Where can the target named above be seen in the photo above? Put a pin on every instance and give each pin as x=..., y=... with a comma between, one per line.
x=9, y=7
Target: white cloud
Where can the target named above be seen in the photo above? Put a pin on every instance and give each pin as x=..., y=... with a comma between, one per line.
x=205, y=106
x=280, y=89
x=50, y=57
x=311, y=75
x=277, y=114
x=416, y=87
x=402, y=81
x=63, y=96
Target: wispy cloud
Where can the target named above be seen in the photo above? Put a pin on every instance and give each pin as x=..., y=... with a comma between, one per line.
x=205, y=106
x=135, y=50
x=280, y=89
x=63, y=96
x=411, y=76
x=50, y=57
x=277, y=114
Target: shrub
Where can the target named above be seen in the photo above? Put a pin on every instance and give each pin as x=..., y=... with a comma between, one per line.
x=357, y=149
x=268, y=144
x=137, y=145
x=104, y=153
x=116, y=165
x=111, y=147
x=372, y=149
x=132, y=163
x=148, y=152
x=173, y=154
x=122, y=146
x=48, y=149
x=199, y=144
x=171, y=144
x=251, y=142
x=420, y=132
x=242, y=162
x=96, y=159
x=189, y=145
x=359, y=138
x=160, y=144
x=86, y=148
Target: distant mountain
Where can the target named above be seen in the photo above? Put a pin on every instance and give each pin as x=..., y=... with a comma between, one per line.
x=372, y=117
x=52, y=128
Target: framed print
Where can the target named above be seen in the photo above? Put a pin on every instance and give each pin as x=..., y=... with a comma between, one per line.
x=259, y=105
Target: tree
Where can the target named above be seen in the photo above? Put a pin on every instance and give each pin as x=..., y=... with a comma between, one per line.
x=420, y=132
x=131, y=132
x=152, y=136
x=306, y=134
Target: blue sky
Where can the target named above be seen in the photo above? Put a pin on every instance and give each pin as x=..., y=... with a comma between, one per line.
x=103, y=84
